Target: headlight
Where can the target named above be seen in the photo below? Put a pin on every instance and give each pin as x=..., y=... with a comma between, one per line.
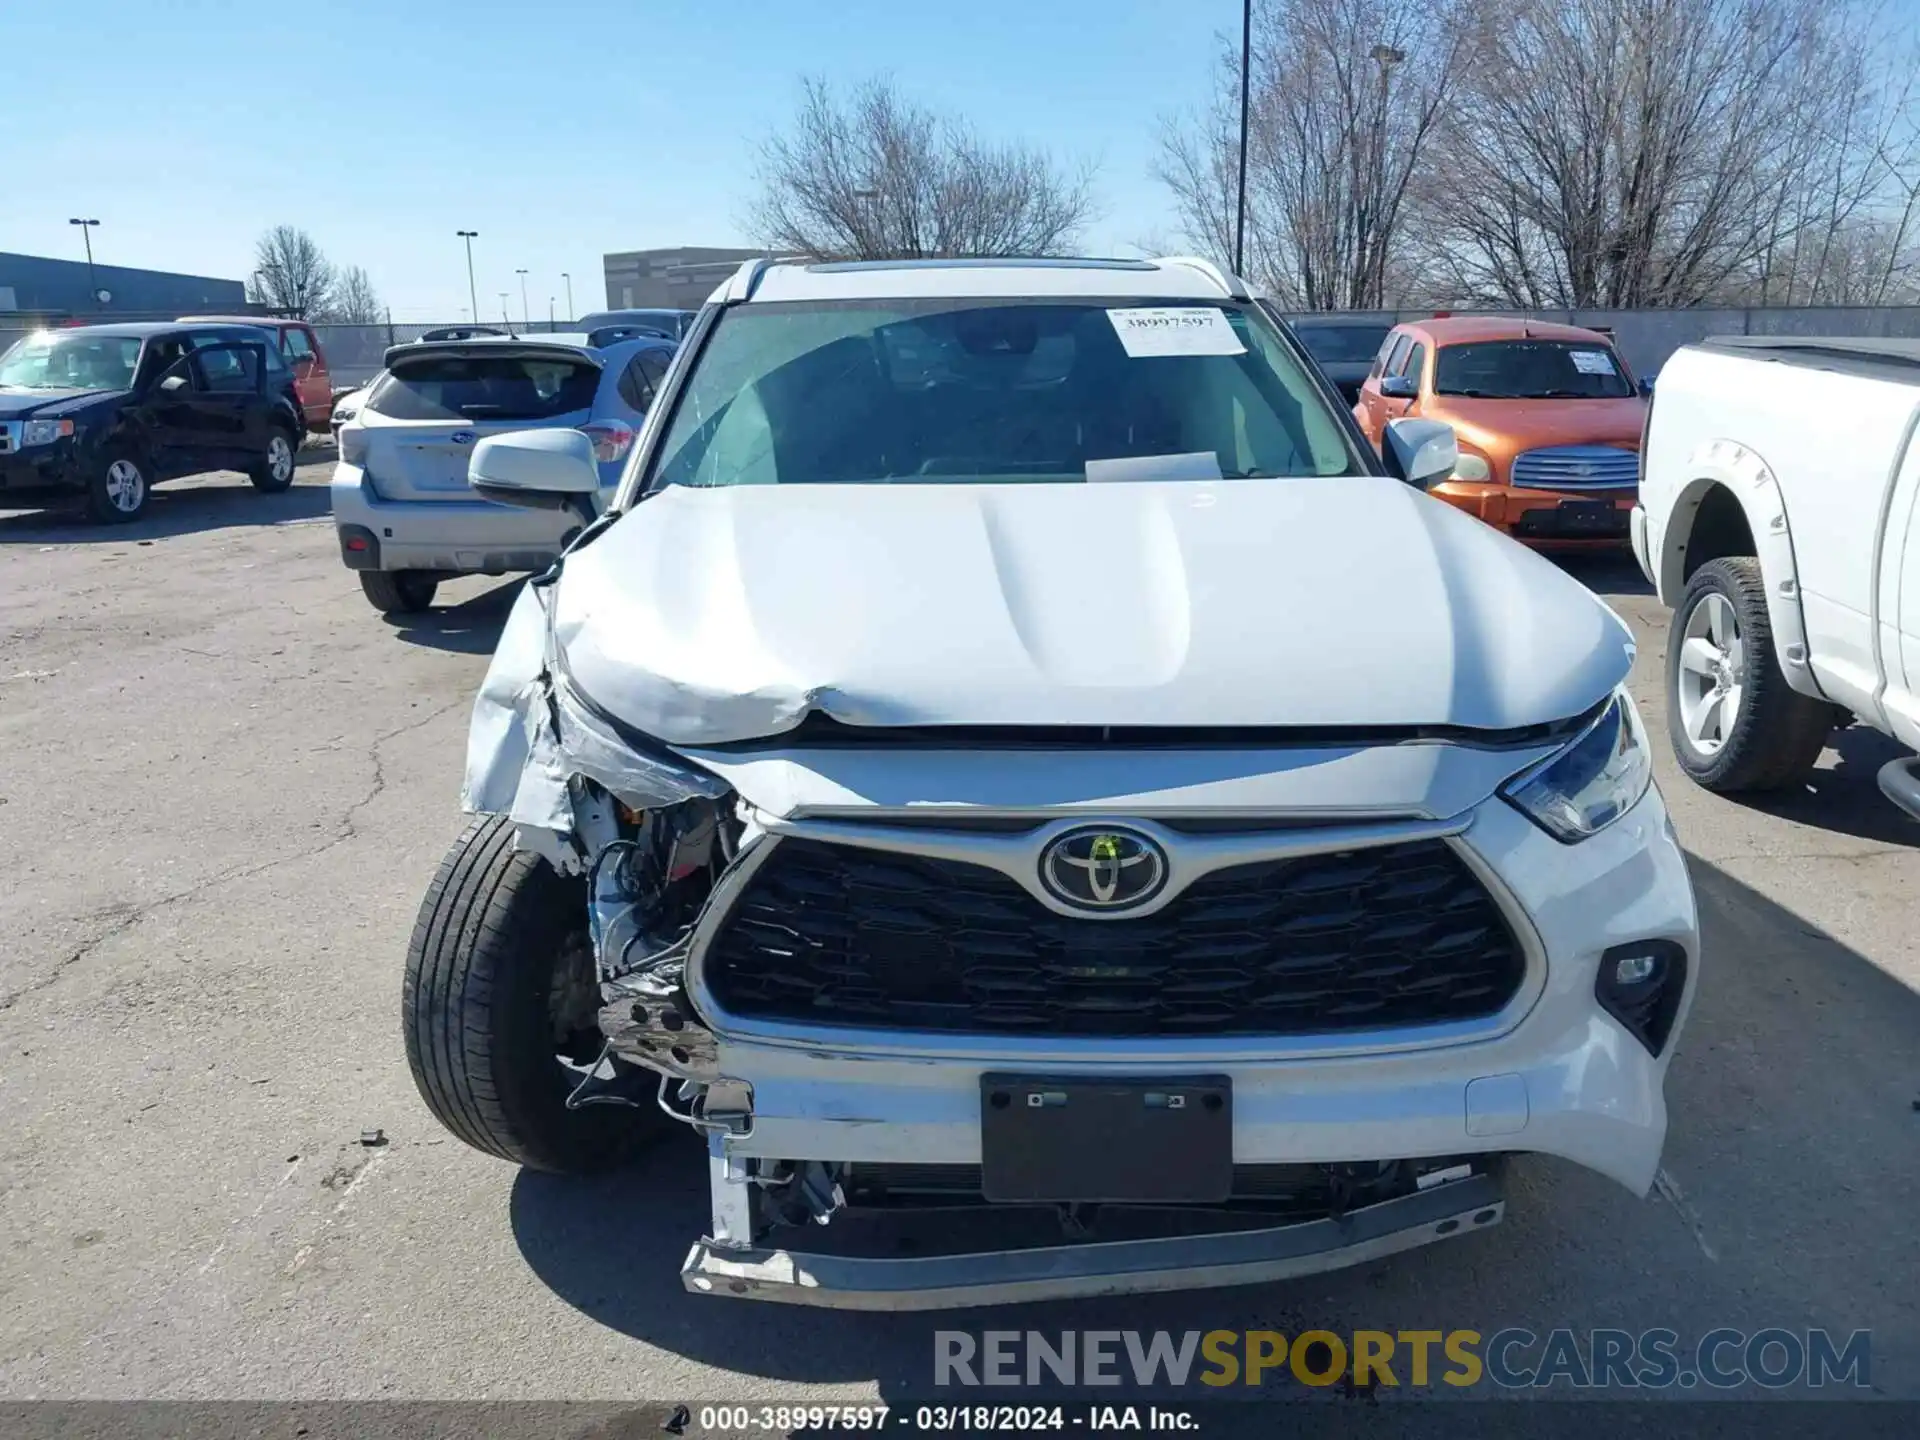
x=344, y=413
x=45, y=432
x=1597, y=778
x=1472, y=467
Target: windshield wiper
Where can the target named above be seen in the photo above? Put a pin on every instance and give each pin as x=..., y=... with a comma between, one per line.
x=1476, y=394
x=1562, y=395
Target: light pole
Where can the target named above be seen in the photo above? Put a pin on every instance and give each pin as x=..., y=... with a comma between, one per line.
x=470, y=236
x=571, y=316
x=525, y=318
x=1386, y=57
x=1246, y=82
x=503, y=311
x=550, y=314
x=86, y=234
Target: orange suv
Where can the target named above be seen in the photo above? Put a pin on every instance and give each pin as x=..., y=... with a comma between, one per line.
x=1548, y=418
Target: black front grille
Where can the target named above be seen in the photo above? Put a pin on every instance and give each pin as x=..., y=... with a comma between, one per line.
x=1400, y=935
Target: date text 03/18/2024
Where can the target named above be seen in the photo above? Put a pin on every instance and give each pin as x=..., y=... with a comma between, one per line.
x=734, y=1419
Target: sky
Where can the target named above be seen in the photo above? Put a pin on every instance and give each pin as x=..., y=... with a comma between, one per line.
x=558, y=129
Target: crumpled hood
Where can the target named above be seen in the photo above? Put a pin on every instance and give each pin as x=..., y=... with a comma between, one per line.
x=49, y=404
x=709, y=616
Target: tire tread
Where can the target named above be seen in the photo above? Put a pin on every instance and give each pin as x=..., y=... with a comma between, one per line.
x=1779, y=732
x=474, y=1013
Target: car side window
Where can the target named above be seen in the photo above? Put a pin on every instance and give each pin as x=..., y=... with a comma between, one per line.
x=639, y=381
x=1380, y=360
x=296, y=345
x=165, y=351
x=654, y=364
x=1401, y=344
x=1414, y=363
x=228, y=369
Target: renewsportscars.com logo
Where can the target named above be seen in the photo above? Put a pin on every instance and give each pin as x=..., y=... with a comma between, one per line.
x=1597, y=1359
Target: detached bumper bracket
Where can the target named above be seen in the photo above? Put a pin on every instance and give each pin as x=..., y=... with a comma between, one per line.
x=1126, y=1267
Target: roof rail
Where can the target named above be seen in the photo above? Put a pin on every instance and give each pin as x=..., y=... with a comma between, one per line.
x=1229, y=284
x=745, y=280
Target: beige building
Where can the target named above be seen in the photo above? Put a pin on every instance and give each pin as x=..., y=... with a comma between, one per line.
x=678, y=279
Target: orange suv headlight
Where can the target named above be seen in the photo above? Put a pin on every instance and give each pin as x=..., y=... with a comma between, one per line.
x=1471, y=466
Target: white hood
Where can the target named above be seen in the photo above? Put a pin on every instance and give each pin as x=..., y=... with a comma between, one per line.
x=709, y=616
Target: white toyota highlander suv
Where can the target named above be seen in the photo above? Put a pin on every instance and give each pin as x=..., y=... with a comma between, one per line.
x=1011, y=746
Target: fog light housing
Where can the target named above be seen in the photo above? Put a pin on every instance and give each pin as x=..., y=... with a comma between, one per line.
x=1640, y=985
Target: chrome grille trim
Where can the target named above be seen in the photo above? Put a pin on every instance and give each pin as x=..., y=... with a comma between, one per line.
x=1576, y=467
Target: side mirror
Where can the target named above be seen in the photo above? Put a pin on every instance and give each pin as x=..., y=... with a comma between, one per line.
x=1399, y=387
x=173, y=384
x=1646, y=386
x=537, y=470
x=1420, y=452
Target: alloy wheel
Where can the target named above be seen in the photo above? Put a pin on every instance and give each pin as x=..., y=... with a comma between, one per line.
x=1712, y=677
x=126, y=486
x=279, y=458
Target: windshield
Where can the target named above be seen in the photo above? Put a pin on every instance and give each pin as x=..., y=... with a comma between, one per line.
x=71, y=362
x=948, y=392
x=1530, y=370
x=1342, y=344
x=484, y=387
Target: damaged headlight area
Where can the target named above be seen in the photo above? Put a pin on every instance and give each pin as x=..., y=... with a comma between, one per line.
x=646, y=893
x=649, y=833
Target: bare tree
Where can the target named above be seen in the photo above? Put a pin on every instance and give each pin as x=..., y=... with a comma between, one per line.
x=291, y=272
x=1345, y=97
x=877, y=176
x=354, y=301
x=1614, y=153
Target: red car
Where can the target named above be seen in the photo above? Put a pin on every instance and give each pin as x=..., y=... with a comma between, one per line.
x=311, y=379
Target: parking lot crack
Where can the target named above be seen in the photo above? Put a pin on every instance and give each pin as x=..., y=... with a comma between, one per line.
x=348, y=830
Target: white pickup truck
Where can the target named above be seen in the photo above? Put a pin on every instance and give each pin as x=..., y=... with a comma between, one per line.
x=1779, y=519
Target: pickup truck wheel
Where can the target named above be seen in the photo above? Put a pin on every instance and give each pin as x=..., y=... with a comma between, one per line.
x=274, y=470
x=500, y=998
x=398, y=592
x=119, y=490
x=1735, y=722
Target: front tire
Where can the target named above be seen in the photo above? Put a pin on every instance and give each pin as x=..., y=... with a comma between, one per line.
x=498, y=972
x=119, y=490
x=1736, y=724
x=274, y=471
x=398, y=592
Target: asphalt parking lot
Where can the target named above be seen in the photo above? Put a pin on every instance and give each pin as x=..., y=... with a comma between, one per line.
x=226, y=782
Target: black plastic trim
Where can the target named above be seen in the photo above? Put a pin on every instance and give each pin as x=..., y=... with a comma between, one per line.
x=368, y=559
x=1649, y=1018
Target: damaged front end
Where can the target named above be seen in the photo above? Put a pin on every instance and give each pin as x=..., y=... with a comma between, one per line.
x=662, y=849
x=651, y=834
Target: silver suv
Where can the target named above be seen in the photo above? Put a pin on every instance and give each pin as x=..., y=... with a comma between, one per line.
x=1011, y=746
x=405, y=516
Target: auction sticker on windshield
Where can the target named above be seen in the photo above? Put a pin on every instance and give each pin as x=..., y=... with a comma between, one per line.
x=1593, y=362
x=1175, y=330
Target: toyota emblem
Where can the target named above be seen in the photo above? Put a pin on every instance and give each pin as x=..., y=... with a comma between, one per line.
x=1096, y=868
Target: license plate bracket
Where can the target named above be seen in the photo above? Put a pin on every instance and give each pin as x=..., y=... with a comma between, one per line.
x=1587, y=515
x=1167, y=1140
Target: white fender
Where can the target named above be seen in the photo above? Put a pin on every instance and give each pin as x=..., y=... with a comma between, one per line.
x=1742, y=472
